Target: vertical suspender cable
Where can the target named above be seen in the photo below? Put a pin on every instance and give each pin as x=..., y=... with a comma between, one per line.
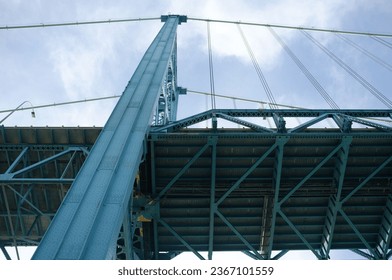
x=258, y=70
x=375, y=92
x=211, y=67
x=373, y=57
x=305, y=71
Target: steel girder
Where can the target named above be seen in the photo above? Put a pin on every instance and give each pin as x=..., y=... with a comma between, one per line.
x=373, y=156
x=34, y=180
x=88, y=222
x=331, y=215
x=343, y=118
x=337, y=194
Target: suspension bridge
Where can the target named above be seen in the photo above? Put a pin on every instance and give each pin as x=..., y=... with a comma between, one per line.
x=150, y=186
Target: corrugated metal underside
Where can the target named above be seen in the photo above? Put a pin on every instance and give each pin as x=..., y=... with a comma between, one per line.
x=186, y=206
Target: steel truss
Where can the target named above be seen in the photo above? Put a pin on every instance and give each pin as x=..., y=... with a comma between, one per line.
x=217, y=190
x=100, y=194
x=222, y=190
x=344, y=119
x=147, y=192
x=34, y=180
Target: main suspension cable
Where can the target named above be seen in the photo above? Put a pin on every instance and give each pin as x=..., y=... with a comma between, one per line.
x=243, y=99
x=8, y=27
x=188, y=91
x=295, y=27
x=352, y=32
x=61, y=103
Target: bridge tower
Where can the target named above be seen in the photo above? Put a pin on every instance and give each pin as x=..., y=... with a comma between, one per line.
x=147, y=186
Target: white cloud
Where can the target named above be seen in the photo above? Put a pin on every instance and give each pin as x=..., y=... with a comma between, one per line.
x=226, y=39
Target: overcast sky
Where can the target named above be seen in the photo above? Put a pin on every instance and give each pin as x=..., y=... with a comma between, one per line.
x=59, y=64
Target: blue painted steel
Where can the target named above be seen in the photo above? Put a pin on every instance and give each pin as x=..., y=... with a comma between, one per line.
x=11, y=177
x=302, y=152
x=251, y=255
x=182, y=240
x=33, y=207
x=280, y=254
x=88, y=222
x=330, y=221
x=363, y=254
x=212, y=200
x=363, y=183
x=311, y=173
x=181, y=172
x=357, y=232
x=238, y=234
x=246, y=174
x=281, y=141
x=16, y=161
x=343, y=118
x=385, y=234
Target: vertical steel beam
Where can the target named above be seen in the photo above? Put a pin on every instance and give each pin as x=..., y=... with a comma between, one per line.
x=212, y=199
x=265, y=226
x=156, y=241
x=10, y=221
x=334, y=201
x=300, y=184
x=281, y=141
x=153, y=192
x=127, y=234
x=88, y=221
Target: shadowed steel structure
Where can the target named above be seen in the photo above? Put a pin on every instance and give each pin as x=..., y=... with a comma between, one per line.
x=100, y=193
x=147, y=186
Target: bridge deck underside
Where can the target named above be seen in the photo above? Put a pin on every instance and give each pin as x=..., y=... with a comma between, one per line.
x=180, y=168
x=186, y=206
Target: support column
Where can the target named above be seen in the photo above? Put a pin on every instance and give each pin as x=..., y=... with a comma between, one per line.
x=267, y=243
x=88, y=222
x=334, y=201
x=213, y=142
